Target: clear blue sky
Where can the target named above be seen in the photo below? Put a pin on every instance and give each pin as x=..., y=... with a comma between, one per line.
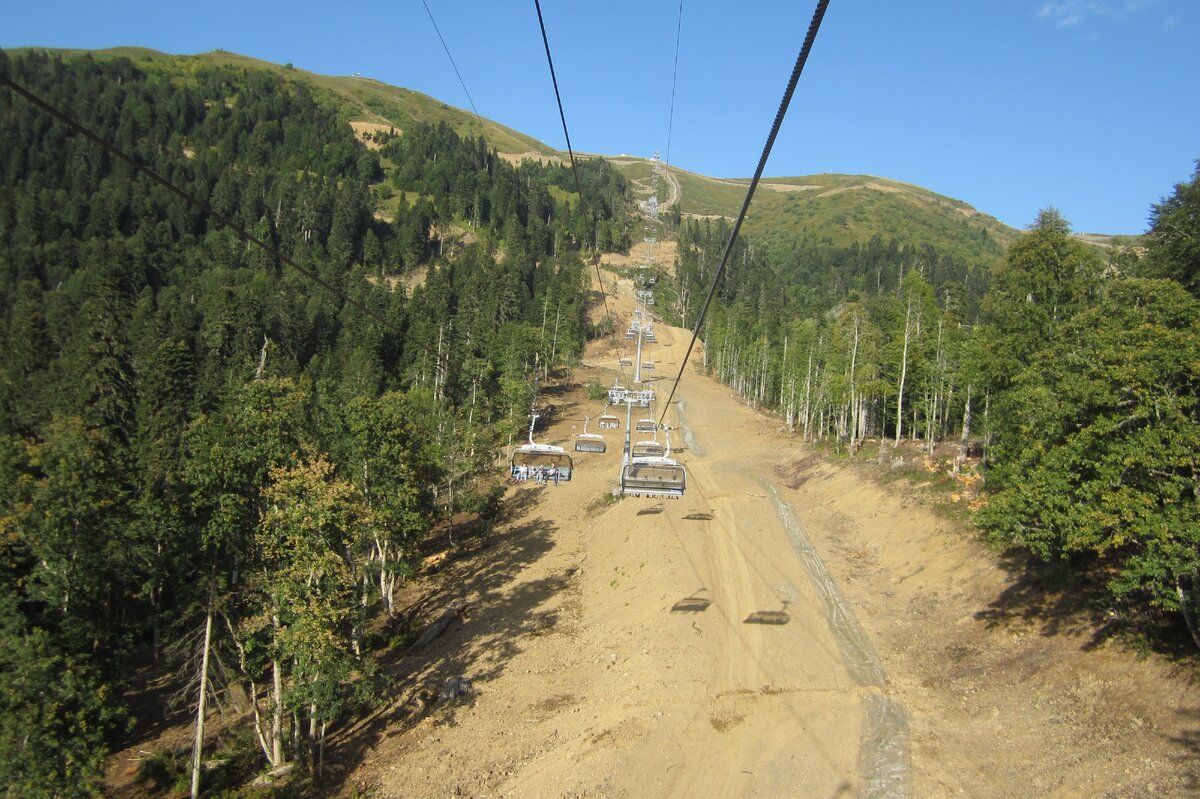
x=1092, y=106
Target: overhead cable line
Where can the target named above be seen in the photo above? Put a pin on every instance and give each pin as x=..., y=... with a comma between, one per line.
x=801, y=58
x=674, y=77
x=575, y=171
x=456, y=72
x=204, y=207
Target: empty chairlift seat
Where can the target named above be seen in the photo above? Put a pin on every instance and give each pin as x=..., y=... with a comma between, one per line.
x=647, y=449
x=653, y=477
x=646, y=426
x=590, y=442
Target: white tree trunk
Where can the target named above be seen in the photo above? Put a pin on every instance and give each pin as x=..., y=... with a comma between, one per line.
x=903, y=371
x=966, y=433
x=202, y=700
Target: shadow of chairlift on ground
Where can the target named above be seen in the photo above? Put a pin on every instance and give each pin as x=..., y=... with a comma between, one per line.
x=698, y=517
x=651, y=511
x=693, y=603
x=773, y=617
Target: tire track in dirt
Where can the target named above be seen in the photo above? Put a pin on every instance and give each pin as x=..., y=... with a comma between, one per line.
x=884, y=766
x=779, y=694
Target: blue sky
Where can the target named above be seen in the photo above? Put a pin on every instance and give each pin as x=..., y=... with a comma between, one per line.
x=1092, y=106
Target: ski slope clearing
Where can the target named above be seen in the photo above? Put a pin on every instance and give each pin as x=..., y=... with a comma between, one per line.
x=788, y=628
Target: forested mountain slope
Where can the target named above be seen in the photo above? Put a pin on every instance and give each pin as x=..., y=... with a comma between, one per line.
x=353, y=97
x=201, y=449
x=192, y=430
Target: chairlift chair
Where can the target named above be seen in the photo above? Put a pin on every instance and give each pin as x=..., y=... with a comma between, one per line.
x=541, y=462
x=647, y=449
x=609, y=421
x=646, y=426
x=647, y=366
x=653, y=477
x=589, y=442
x=625, y=361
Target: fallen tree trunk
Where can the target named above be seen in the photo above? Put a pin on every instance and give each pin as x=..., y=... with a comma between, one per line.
x=455, y=610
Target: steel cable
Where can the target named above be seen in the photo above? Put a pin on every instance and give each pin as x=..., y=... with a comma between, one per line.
x=801, y=58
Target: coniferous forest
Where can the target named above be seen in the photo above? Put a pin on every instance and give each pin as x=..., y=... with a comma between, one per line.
x=205, y=455
x=202, y=450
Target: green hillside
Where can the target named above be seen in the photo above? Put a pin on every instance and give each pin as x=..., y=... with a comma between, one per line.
x=359, y=99
x=828, y=208
x=842, y=210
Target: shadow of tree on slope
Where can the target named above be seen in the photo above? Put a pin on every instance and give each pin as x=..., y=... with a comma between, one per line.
x=1057, y=599
x=478, y=646
x=1189, y=740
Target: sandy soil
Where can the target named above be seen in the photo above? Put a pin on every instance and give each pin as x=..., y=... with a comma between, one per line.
x=364, y=129
x=789, y=628
x=541, y=158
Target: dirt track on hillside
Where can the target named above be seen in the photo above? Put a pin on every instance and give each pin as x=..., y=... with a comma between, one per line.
x=788, y=628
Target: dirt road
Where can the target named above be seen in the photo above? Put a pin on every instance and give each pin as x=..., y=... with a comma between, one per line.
x=785, y=629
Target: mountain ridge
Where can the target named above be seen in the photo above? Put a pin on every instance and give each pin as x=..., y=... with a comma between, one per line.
x=787, y=212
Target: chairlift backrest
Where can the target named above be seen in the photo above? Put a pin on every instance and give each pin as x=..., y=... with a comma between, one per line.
x=589, y=442
x=647, y=449
x=653, y=477
x=541, y=462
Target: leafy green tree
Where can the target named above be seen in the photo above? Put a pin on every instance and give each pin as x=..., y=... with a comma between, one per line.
x=305, y=579
x=263, y=428
x=1174, y=237
x=1045, y=278
x=70, y=518
x=381, y=454
x=1098, y=457
x=55, y=713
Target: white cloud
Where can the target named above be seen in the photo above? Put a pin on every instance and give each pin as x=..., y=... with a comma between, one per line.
x=1069, y=13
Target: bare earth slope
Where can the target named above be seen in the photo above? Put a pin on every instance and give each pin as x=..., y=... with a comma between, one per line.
x=786, y=629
